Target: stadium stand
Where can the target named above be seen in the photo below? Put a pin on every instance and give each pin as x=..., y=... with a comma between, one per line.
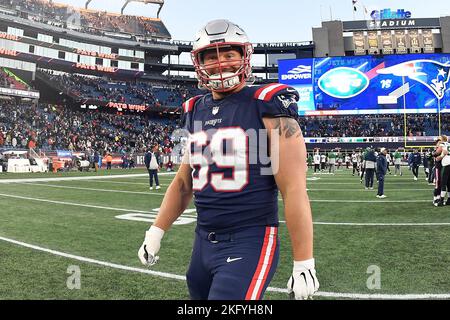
x=56, y=127
x=374, y=125
x=89, y=21
x=111, y=132
x=136, y=92
x=53, y=127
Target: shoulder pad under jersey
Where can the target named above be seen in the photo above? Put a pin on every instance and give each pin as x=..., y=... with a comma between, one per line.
x=188, y=105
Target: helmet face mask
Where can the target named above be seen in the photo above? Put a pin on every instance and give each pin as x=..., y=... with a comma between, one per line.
x=216, y=37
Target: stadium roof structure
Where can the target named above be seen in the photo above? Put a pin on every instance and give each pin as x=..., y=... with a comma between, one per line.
x=160, y=2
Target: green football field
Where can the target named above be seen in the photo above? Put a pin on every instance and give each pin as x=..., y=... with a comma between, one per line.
x=78, y=238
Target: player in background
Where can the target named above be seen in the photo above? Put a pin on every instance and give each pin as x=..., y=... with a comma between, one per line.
x=317, y=161
x=355, y=163
x=236, y=245
x=425, y=165
x=332, y=162
x=347, y=161
x=309, y=161
x=437, y=154
x=444, y=157
x=370, y=161
x=397, y=163
x=363, y=163
x=381, y=172
x=431, y=167
x=389, y=160
x=415, y=162
x=323, y=161
x=339, y=160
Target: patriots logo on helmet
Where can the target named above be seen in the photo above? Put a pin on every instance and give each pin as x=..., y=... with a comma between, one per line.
x=432, y=74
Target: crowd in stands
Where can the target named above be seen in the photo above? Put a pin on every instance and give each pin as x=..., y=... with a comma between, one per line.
x=373, y=125
x=90, y=21
x=55, y=127
x=142, y=93
x=48, y=127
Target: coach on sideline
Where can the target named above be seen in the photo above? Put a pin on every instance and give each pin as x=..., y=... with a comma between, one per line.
x=381, y=172
x=152, y=163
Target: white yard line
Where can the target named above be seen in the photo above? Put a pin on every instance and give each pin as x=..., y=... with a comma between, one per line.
x=317, y=182
x=375, y=200
x=281, y=221
x=376, y=224
x=124, y=182
x=183, y=278
x=71, y=203
x=162, y=194
x=364, y=190
x=93, y=189
x=82, y=178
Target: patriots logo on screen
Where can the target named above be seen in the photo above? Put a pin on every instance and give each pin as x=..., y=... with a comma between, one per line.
x=434, y=75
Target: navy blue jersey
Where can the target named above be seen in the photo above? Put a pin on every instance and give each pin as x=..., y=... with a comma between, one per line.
x=232, y=182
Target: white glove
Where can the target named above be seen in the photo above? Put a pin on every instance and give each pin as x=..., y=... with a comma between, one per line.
x=152, y=242
x=303, y=283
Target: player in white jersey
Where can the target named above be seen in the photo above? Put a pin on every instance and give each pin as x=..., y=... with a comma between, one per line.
x=316, y=162
x=323, y=162
x=389, y=160
x=347, y=161
x=355, y=163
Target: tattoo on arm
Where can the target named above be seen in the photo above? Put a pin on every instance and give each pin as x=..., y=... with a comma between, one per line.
x=287, y=126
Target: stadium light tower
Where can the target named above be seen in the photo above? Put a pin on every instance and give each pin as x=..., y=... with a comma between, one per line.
x=160, y=2
x=87, y=3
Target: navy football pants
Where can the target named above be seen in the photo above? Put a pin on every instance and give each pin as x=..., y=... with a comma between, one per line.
x=233, y=266
x=153, y=173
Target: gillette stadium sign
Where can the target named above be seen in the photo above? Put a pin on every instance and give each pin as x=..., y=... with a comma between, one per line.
x=387, y=14
x=391, y=19
x=387, y=18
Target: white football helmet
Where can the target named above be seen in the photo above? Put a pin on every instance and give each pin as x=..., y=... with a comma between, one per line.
x=222, y=34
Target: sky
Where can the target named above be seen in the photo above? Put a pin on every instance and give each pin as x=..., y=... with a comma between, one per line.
x=264, y=20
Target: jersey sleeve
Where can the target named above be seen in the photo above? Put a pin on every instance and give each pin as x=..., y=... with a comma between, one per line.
x=277, y=100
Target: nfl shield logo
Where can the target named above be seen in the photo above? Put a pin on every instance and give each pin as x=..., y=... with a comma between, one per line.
x=215, y=110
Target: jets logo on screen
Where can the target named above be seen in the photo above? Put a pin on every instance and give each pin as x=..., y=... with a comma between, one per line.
x=432, y=74
x=343, y=82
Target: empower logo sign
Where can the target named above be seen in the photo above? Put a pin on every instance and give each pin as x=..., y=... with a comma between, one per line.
x=295, y=71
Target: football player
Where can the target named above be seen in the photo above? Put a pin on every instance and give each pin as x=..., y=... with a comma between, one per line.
x=444, y=159
x=332, y=162
x=437, y=154
x=355, y=163
x=397, y=162
x=316, y=161
x=236, y=246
